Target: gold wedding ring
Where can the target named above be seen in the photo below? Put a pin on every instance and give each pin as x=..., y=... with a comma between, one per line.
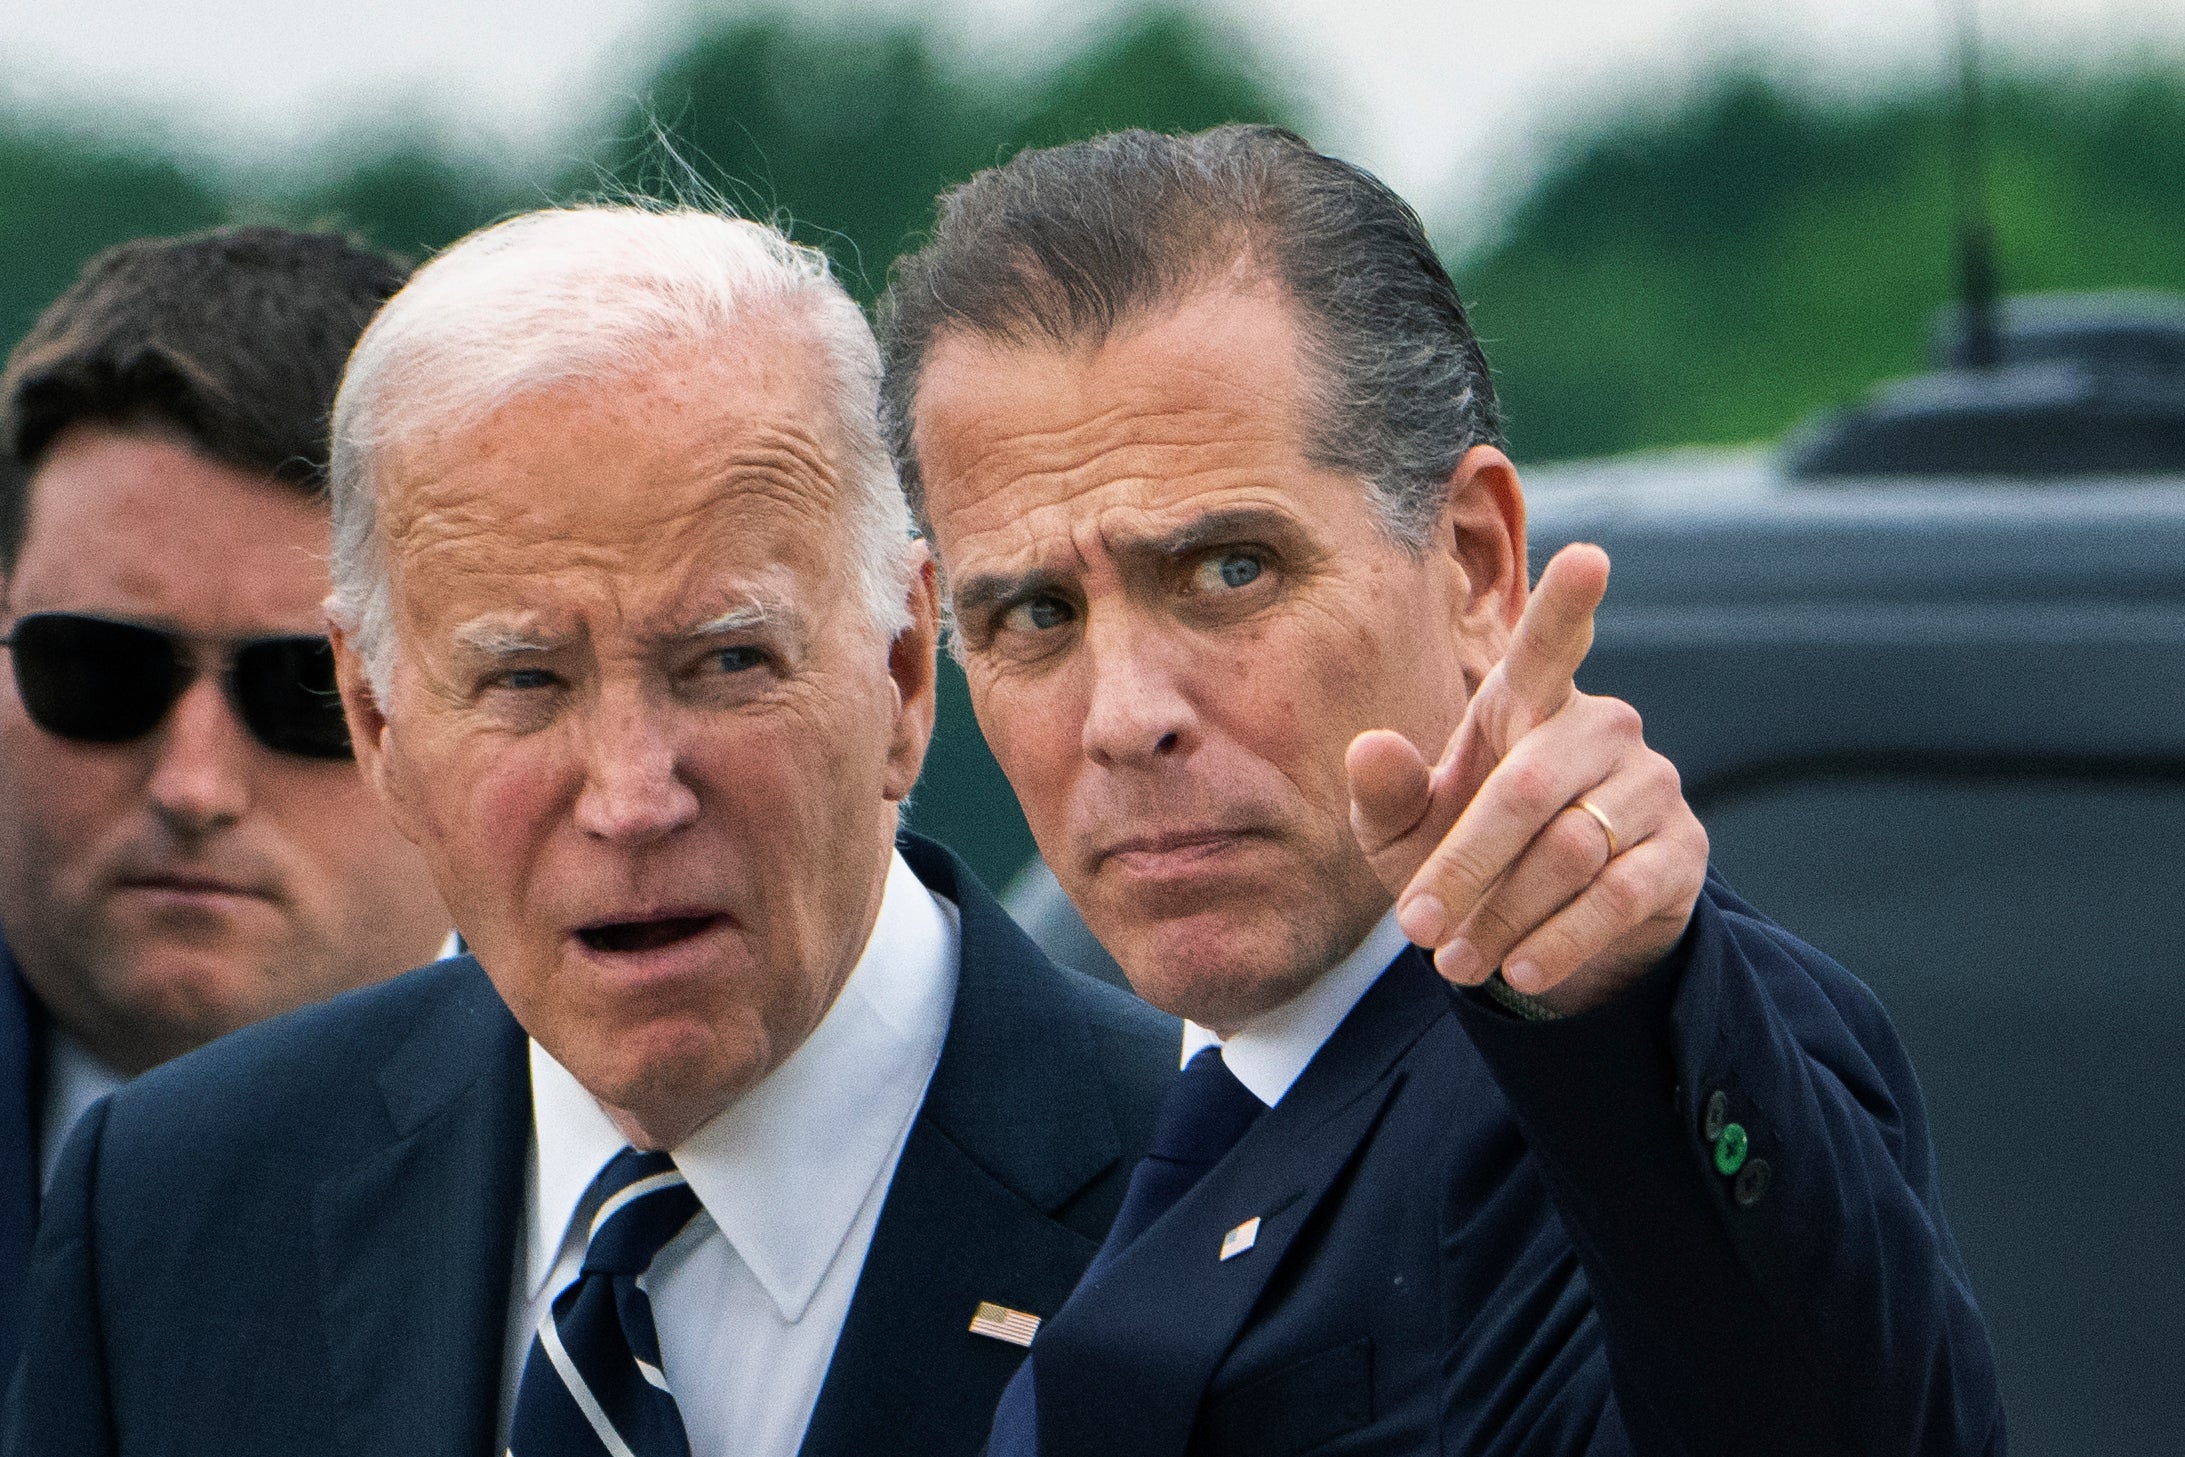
x=1600, y=819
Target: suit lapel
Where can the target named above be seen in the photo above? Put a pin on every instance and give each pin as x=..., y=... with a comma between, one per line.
x=417, y=1236
x=1128, y=1361
x=22, y=1075
x=1015, y=1131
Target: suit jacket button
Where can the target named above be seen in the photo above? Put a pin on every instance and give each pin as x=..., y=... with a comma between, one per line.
x=1730, y=1149
x=1752, y=1182
x=1718, y=1113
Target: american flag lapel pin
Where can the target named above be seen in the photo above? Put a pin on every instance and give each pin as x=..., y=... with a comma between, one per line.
x=1240, y=1239
x=999, y=1322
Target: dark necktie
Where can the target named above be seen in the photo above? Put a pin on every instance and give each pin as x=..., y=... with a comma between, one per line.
x=592, y=1385
x=1206, y=1111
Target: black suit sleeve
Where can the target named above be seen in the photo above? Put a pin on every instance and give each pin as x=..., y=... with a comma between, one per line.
x=1800, y=1293
x=57, y=1406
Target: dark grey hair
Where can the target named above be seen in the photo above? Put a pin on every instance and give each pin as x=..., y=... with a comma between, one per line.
x=1066, y=244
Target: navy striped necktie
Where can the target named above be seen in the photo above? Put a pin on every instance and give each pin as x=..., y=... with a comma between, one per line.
x=592, y=1385
x=1206, y=1111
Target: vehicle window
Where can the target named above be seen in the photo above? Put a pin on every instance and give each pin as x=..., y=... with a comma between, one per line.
x=2024, y=934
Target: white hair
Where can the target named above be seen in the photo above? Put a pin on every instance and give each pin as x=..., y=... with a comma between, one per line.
x=582, y=293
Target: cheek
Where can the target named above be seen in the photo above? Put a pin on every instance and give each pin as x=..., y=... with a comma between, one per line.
x=1283, y=694
x=323, y=808
x=66, y=801
x=1298, y=694
x=483, y=807
x=1035, y=728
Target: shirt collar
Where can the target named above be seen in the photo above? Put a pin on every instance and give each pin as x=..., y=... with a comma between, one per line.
x=785, y=1169
x=75, y=1079
x=1268, y=1053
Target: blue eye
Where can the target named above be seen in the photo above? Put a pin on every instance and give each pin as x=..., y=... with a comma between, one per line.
x=739, y=659
x=1040, y=614
x=528, y=678
x=1230, y=570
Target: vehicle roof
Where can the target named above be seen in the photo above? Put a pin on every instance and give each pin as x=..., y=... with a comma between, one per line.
x=1731, y=526
x=1762, y=623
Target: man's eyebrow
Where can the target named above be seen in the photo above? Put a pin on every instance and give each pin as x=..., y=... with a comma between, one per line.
x=1215, y=528
x=738, y=619
x=755, y=610
x=983, y=591
x=500, y=636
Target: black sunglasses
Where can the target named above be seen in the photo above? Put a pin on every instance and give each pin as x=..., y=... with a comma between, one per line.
x=103, y=682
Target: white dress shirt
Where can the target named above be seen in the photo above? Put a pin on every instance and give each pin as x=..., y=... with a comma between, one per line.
x=74, y=1081
x=1267, y=1053
x=750, y=1298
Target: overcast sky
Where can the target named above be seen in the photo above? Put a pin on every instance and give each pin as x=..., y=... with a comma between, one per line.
x=1450, y=101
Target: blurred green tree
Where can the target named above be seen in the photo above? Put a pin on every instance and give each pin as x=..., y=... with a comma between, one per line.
x=1715, y=272
x=846, y=135
x=63, y=197
x=408, y=196
x=842, y=136
x=1164, y=70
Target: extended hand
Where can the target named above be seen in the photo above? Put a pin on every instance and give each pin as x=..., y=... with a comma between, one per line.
x=1493, y=862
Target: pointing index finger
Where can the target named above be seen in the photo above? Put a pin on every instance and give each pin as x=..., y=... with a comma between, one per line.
x=1556, y=631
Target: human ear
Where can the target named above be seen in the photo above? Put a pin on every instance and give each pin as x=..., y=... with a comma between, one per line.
x=368, y=729
x=911, y=669
x=1480, y=536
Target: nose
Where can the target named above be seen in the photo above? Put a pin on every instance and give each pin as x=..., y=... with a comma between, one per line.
x=633, y=792
x=200, y=781
x=1139, y=710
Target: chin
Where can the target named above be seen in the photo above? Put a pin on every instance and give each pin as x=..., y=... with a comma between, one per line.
x=160, y=1029
x=1214, y=969
x=672, y=1073
x=185, y=1001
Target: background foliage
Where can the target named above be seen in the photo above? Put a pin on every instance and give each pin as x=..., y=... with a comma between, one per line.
x=1708, y=271
x=1715, y=272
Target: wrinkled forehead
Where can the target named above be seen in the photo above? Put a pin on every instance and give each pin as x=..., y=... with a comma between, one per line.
x=720, y=466
x=1205, y=394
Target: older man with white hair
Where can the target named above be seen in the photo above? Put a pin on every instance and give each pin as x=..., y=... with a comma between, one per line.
x=750, y=1126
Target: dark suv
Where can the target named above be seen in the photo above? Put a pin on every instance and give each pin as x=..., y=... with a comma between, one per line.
x=1923, y=671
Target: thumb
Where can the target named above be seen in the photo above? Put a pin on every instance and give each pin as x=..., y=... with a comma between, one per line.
x=1391, y=790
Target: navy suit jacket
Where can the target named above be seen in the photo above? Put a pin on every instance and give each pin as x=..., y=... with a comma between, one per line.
x=21, y=1101
x=301, y=1238
x=1484, y=1235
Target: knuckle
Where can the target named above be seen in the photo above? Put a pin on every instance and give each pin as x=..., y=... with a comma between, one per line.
x=1621, y=893
x=1492, y=926
x=1621, y=719
x=1672, y=782
x=1553, y=950
x=1695, y=878
x=1456, y=871
x=1531, y=789
x=1378, y=840
x=1575, y=845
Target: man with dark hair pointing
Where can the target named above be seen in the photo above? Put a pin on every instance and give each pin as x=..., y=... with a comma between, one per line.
x=1509, y=1130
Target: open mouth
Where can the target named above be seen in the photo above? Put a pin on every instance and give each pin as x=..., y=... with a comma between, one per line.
x=645, y=935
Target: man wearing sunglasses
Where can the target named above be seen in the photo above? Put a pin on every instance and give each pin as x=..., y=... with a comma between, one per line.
x=185, y=843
